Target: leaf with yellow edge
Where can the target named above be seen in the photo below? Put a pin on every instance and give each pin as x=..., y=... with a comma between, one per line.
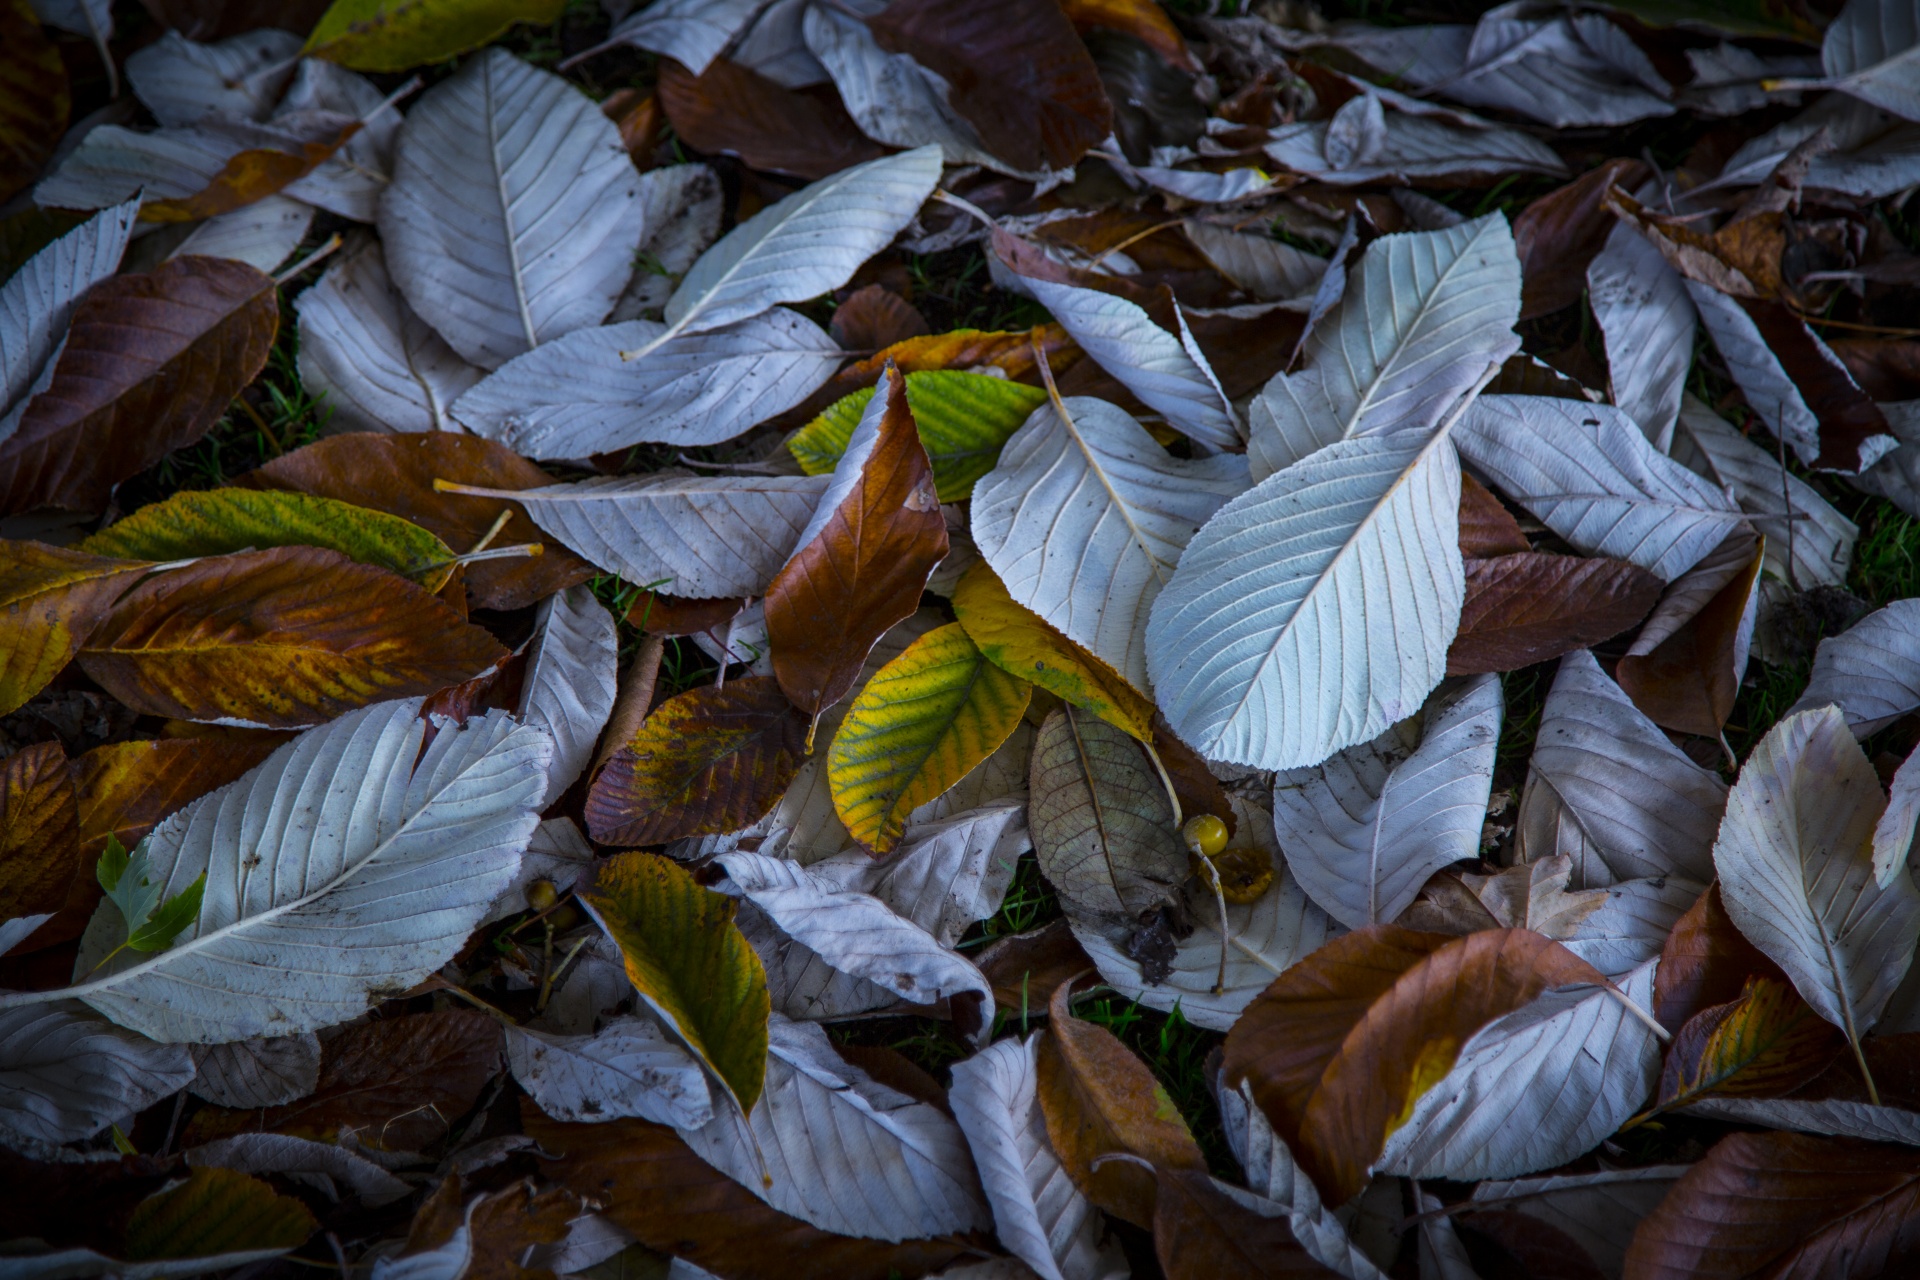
x=922, y=723
x=963, y=418
x=217, y=1212
x=398, y=35
x=214, y=522
x=51, y=599
x=690, y=963
x=1019, y=641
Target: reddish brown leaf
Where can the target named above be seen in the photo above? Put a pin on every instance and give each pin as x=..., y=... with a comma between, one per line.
x=395, y=473
x=51, y=599
x=1502, y=1242
x=1342, y=1044
x=1706, y=961
x=1558, y=235
x=661, y=615
x=1487, y=528
x=1200, y=1233
x=1015, y=69
x=1528, y=608
x=865, y=568
x=1100, y=1100
x=253, y=174
x=639, y=118
x=874, y=317
x=396, y=1083
x=732, y=110
x=710, y=760
x=1144, y=20
x=653, y=1186
x=1785, y=1205
x=1027, y=968
x=152, y=361
x=1884, y=368
x=39, y=832
x=501, y=1225
x=1689, y=681
x=1848, y=417
x=1741, y=259
x=1765, y=1044
x=33, y=97
x=285, y=637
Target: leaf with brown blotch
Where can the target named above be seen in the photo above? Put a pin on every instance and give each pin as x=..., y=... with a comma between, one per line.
x=654, y=1186
x=1201, y=1232
x=398, y=1084
x=1558, y=235
x=1017, y=71
x=1765, y=1044
x=1785, y=1204
x=282, y=638
x=395, y=473
x=249, y=176
x=34, y=101
x=710, y=760
x=39, y=834
x=1523, y=609
x=1487, y=528
x=734, y=110
x=151, y=362
x=1741, y=259
x=1343, y=1044
x=1706, y=961
x=1689, y=680
x=1099, y=1099
x=51, y=599
x=862, y=562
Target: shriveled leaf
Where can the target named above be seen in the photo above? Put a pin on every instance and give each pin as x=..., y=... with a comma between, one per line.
x=626, y=1069
x=1871, y=672
x=920, y=725
x=1363, y=830
x=707, y=761
x=214, y=522
x=66, y=1073
x=1531, y=607
x=686, y=958
x=1767, y=1042
x=282, y=638
x=1084, y=518
x=377, y=35
x=150, y=363
x=569, y=685
x=262, y=1072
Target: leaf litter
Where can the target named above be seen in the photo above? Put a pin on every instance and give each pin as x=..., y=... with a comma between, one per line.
x=1075, y=638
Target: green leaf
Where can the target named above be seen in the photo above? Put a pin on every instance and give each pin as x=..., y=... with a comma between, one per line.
x=214, y=522
x=174, y=915
x=963, y=419
x=151, y=924
x=398, y=35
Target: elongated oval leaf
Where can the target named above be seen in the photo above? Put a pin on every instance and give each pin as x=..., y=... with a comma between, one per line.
x=569, y=685
x=1647, y=321
x=66, y=1073
x=368, y=35
x=513, y=212
x=1316, y=609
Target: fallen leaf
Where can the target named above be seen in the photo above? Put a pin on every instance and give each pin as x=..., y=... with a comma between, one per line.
x=1706, y=962
x=1869, y=671
x=1557, y=235
x=249, y=177
x=1528, y=608
x=1768, y=1042
x=1688, y=680
x=488, y=1235
x=260, y=1072
x=732, y=110
x=220, y=1215
x=369, y=35
x=39, y=839
x=66, y=1073
x=1487, y=528
x=34, y=99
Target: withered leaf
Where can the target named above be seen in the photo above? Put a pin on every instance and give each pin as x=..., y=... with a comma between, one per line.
x=735, y=110
x=1527, y=608
x=1558, y=235
x=282, y=638
x=710, y=760
x=1848, y=419
x=1705, y=962
x=500, y=1225
x=124, y=788
x=39, y=832
x=51, y=599
x=1766, y=1043
x=151, y=362
x=251, y=175
x=1690, y=679
x=1200, y=1231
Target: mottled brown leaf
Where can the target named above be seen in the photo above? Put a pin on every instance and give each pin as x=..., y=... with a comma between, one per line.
x=874, y=317
x=1706, y=961
x=1558, y=235
x=865, y=568
x=152, y=361
x=1528, y=608
x=395, y=473
x=39, y=831
x=710, y=760
x=653, y=1186
x=1765, y=1044
x=282, y=638
x=736, y=111
x=253, y=174
x=51, y=599
x=33, y=97
x=125, y=788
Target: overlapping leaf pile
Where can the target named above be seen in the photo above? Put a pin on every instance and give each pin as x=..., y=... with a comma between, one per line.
x=604, y=609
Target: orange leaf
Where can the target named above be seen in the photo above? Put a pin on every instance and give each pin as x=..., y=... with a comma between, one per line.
x=253, y=174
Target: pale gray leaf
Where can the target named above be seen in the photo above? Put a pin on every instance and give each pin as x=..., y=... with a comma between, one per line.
x=1534, y=1089
x=568, y=688
x=596, y=984
x=1609, y=789
x=556, y=852
x=66, y=1073
x=263, y=234
x=1590, y=475
x=183, y=81
x=37, y=301
x=1415, y=147
x=514, y=210
x=1872, y=52
x=381, y=367
x=69, y=1264
x=683, y=204
x=113, y=163
x=1598, y=1211
x=845, y=1153
x=370, y=882
x=774, y=46
x=1040, y=1216
x=1871, y=671
x=351, y=180
x=1647, y=322
x=1084, y=518
x=947, y=872
x=691, y=32
x=17, y=930
x=258, y=1072
x=1875, y=153
x=1832, y=1117
x=701, y=537
x=1356, y=133
x=627, y=1069
x=1314, y=611
x=1795, y=860
x=1363, y=830
x=1893, y=834
x=303, y=1160
x=1257, y=264
x=1632, y=925
x=1896, y=476
x=92, y=18
x=577, y=396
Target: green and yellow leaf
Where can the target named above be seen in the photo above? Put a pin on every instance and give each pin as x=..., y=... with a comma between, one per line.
x=690, y=963
x=215, y=1212
x=963, y=418
x=51, y=599
x=398, y=35
x=921, y=724
x=1766, y=1043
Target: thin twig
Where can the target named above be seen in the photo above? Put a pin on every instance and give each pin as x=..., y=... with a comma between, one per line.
x=326, y=250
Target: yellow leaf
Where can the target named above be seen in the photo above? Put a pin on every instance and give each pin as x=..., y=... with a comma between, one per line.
x=1019, y=641
x=398, y=35
x=51, y=599
x=690, y=962
x=921, y=724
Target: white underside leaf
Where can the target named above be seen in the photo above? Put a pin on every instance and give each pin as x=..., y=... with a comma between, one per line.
x=184, y=81
x=1632, y=925
x=1871, y=671
x=258, y=1072
x=629, y=1068
x=66, y=1073
x=1413, y=148
x=319, y=1164
x=572, y=671
x=1598, y=1211
x=37, y=301
x=691, y=32
x=263, y=234
x=1647, y=322
x=1833, y=1117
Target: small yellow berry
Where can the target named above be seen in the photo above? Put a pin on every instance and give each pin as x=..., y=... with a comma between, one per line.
x=1206, y=835
x=542, y=894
